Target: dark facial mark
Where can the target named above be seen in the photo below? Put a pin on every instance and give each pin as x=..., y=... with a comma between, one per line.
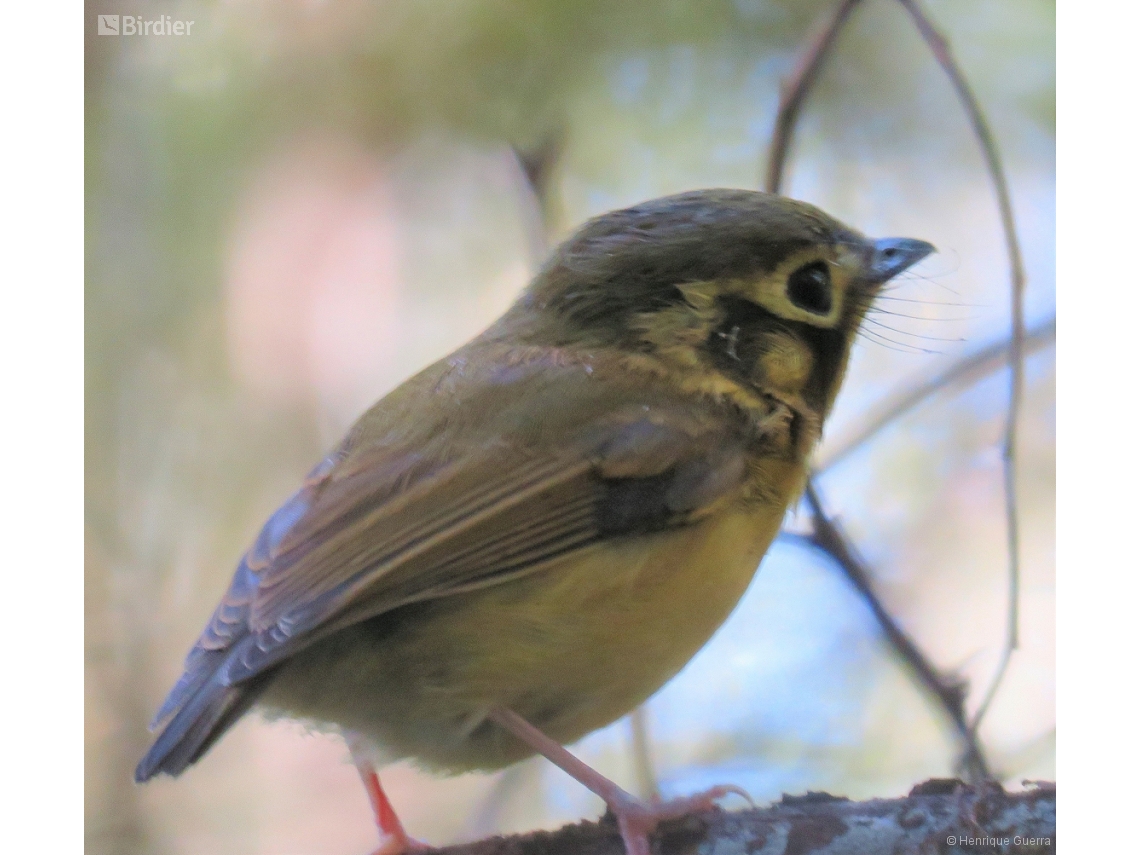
x=735, y=346
x=829, y=348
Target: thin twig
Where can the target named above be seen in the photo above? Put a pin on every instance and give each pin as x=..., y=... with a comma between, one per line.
x=827, y=535
x=486, y=818
x=830, y=538
x=536, y=168
x=969, y=369
x=794, y=90
x=941, y=50
x=643, y=770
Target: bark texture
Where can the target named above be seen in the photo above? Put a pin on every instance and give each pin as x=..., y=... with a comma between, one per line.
x=940, y=816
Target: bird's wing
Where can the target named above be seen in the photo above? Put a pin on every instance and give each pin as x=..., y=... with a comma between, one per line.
x=387, y=527
x=459, y=506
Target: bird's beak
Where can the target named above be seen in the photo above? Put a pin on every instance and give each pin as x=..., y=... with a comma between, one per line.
x=894, y=255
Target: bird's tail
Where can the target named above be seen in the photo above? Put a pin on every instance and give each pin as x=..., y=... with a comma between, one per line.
x=199, y=723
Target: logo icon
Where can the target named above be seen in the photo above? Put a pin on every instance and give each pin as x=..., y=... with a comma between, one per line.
x=108, y=25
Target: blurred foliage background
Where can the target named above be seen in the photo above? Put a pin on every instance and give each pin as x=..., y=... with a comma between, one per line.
x=301, y=203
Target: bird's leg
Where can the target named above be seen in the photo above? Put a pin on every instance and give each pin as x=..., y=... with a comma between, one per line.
x=393, y=839
x=636, y=819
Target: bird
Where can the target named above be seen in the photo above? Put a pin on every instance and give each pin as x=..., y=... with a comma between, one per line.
x=528, y=538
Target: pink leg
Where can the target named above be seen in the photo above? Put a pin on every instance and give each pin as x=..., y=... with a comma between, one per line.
x=636, y=819
x=393, y=839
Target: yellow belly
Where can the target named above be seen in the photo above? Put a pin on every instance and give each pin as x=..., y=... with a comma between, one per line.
x=607, y=629
x=571, y=647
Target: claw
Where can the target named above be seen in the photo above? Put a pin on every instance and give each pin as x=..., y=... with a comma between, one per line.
x=637, y=820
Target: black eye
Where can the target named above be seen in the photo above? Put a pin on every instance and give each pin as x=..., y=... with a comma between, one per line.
x=809, y=288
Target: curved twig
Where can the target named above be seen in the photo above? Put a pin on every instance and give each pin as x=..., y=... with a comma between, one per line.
x=941, y=50
x=643, y=767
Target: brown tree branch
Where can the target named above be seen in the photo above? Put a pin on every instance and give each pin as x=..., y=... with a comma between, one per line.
x=938, y=816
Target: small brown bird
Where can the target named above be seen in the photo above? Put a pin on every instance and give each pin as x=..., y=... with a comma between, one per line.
x=524, y=541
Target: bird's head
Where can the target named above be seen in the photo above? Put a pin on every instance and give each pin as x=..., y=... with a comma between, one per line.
x=764, y=289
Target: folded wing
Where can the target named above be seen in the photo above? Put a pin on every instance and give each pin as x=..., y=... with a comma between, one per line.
x=459, y=506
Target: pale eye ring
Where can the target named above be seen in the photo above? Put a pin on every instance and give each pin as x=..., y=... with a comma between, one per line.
x=809, y=288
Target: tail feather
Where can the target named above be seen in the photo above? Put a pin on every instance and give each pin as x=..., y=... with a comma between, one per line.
x=208, y=698
x=198, y=725
x=197, y=673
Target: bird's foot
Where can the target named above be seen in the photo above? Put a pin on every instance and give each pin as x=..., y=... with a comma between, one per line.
x=393, y=839
x=637, y=819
